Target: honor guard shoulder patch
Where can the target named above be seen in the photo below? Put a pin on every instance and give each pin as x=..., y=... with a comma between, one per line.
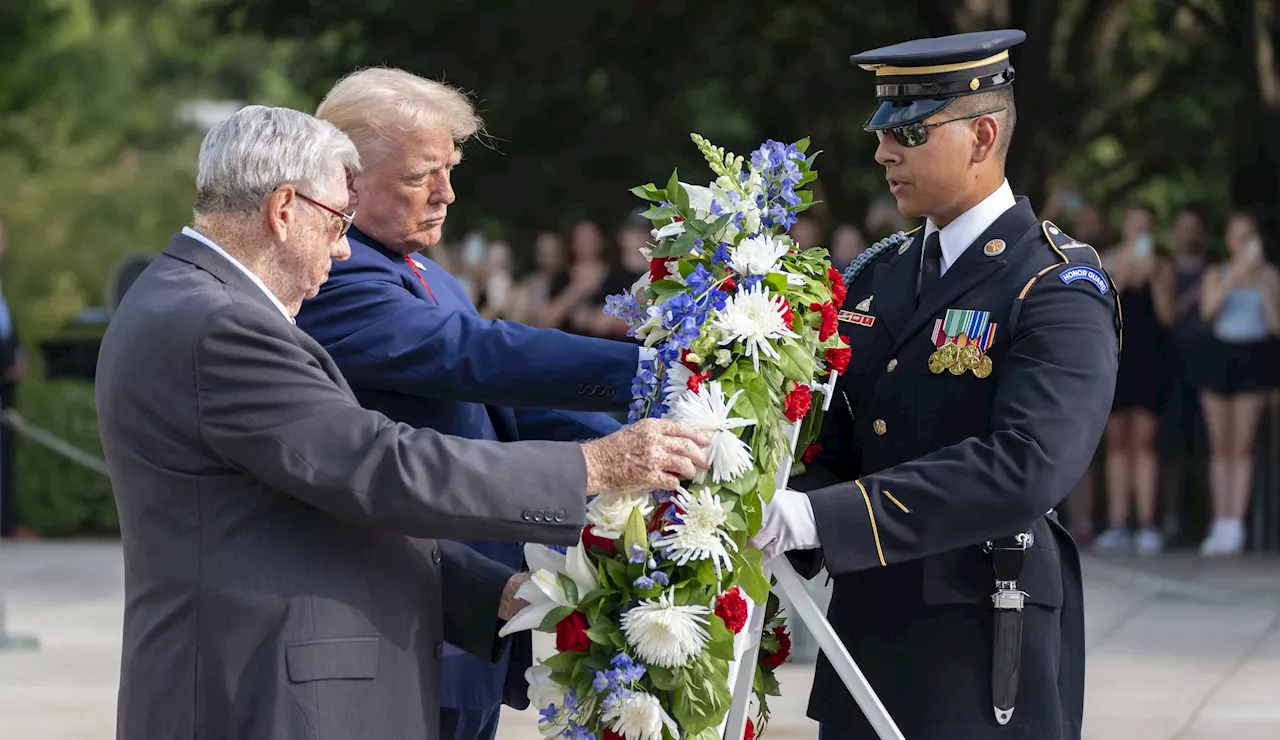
x=1081, y=272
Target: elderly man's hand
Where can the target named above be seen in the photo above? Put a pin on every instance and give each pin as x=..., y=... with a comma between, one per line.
x=512, y=604
x=650, y=454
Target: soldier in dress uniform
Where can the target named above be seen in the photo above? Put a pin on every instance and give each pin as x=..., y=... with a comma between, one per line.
x=985, y=347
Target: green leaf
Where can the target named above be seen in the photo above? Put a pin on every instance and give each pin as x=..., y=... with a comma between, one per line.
x=658, y=213
x=720, y=643
x=649, y=192
x=554, y=616
x=777, y=281
x=802, y=146
x=564, y=661
x=768, y=486
x=753, y=581
x=677, y=247
x=770, y=685
x=736, y=522
x=570, y=588
x=591, y=597
x=755, y=512
x=617, y=573
x=663, y=678
x=707, y=573
x=797, y=363
x=746, y=482
x=602, y=635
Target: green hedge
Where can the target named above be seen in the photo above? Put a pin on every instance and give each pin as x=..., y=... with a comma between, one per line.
x=57, y=497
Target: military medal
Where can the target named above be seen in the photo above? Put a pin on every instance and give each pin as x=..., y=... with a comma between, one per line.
x=962, y=339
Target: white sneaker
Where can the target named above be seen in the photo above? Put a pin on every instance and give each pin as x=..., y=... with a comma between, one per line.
x=1115, y=539
x=1225, y=538
x=1148, y=541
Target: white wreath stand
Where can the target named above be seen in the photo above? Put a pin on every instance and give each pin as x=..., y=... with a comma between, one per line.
x=742, y=670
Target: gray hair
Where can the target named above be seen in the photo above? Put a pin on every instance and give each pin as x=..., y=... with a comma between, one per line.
x=250, y=154
x=376, y=104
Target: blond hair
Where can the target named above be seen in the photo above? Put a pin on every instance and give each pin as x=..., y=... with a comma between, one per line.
x=373, y=105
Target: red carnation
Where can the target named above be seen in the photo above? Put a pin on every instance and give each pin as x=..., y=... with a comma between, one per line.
x=732, y=608
x=838, y=291
x=611, y=735
x=696, y=380
x=590, y=538
x=789, y=318
x=783, y=652
x=810, y=453
x=829, y=319
x=749, y=733
x=838, y=357
x=571, y=634
x=797, y=403
x=658, y=269
x=729, y=285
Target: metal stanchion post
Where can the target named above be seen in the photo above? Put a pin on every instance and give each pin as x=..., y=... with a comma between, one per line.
x=11, y=642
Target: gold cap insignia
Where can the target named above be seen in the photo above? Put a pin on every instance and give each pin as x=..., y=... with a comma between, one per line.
x=973, y=84
x=993, y=247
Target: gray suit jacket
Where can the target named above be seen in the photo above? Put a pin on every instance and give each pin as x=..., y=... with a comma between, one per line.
x=281, y=575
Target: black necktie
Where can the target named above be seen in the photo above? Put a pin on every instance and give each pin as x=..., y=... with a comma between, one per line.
x=931, y=266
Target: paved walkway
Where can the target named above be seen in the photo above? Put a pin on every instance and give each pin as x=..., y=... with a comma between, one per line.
x=1179, y=648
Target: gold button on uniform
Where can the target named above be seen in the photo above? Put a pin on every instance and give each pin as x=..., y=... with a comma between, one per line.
x=893, y=365
x=878, y=426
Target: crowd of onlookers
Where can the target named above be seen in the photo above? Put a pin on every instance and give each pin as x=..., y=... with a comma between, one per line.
x=1197, y=369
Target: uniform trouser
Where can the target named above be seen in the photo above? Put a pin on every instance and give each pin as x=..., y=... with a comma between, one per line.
x=469, y=724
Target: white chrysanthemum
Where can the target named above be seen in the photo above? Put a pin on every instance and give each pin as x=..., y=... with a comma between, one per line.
x=755, y=318
x=665, y=634
x=609, y=513
x=543, y=590
x=640, y=717
x=702, y=533
x=757, y=255
x=677, y=381
x=708, y=411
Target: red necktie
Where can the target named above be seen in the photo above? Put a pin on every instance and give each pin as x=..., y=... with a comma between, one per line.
x=421, y=279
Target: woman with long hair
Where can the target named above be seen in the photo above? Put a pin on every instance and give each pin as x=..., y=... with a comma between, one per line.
x=1145, y=283
x=1240, y=301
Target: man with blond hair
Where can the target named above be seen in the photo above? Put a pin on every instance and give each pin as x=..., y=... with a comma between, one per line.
x=413, y=346
x=282, y=576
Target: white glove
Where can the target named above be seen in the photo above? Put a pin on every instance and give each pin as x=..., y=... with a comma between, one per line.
x=788, y=524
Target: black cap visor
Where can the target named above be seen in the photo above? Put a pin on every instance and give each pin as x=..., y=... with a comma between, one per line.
x=894, y=113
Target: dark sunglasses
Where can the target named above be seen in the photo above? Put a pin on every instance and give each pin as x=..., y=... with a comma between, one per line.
x=346, y=218
x=916, y=134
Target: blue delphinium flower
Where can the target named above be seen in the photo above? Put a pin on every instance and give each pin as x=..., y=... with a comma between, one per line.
x=686, y=332
x=750, y=282
x=571, y=701
x=625, y=308
x=717, y=299
x=721, y=256
x=643, y=582
x=676, y=309
x=602, y=681
x=628, y=670
x=660, y=578
x=699, y=280
x=635, y=412
x=636, y=554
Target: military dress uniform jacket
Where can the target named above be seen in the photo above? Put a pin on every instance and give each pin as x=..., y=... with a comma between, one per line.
x=921, y=467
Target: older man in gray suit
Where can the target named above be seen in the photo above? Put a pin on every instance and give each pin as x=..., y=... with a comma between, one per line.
x=281, y=575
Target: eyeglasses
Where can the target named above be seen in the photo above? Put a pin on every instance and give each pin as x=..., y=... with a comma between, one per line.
x=916, y=134
x=346, y=218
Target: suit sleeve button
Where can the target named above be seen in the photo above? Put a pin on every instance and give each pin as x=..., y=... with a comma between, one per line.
x=559, y=516
x=526, y=515
x=582, y=388
x=537, y=515
x=435, y=555
x=439, y=651
x=609, y=392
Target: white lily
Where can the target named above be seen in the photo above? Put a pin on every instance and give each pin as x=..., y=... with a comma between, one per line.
x=543, y=590
x=675, y=228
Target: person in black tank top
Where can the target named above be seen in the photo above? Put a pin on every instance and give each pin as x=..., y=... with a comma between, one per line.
x=1145, y=283
x=1182, y=423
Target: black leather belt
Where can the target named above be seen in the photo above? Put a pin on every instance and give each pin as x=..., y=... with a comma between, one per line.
x=1007, y=556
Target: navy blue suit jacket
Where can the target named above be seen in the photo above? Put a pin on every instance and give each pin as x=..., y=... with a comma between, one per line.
x=425, y=357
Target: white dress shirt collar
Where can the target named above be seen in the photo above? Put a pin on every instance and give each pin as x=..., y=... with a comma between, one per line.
x=960, y=233
x=188, y=231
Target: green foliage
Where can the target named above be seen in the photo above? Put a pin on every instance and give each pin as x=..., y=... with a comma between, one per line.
x=55, y=497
